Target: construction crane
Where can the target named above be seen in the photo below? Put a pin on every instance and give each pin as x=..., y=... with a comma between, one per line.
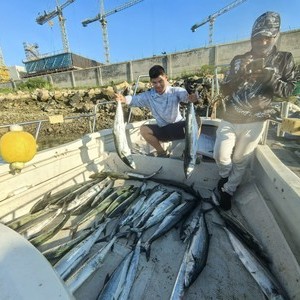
x=211, y=18
x=31, y=51
x=47, y=16
x=102, y=18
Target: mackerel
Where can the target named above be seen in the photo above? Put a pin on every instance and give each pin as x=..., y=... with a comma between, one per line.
x=113, y=287
x=194, y=259
x=120, y=200
x=102, y=206
x=169, y=222
x=34, y=230
x=262, y=275
x=70, y=261
x=120, y=138
x=56, y=252
x=89, y=267
x=131, y=273
x=197, y=251
x=155, y=199
x=162, y=210
x=115, y=211
x=85, y=198
x=50, y=230
x=191, y=141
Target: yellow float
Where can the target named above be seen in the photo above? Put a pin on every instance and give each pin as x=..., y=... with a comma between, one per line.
x=17, y=147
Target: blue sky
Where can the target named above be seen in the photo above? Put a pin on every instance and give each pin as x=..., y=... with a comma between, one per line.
x=148, y=28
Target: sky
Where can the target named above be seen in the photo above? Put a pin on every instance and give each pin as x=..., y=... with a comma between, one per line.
x=148, y=28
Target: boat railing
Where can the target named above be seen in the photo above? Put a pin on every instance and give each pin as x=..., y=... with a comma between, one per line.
x=55, y=119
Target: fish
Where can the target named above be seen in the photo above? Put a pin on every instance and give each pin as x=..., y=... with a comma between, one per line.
x=89, y=267
x=55, y=253
x=70, y=261
x=115, y=211
x=132, y=210
x=262, y=275
x=17, y=223
x=50, y=230
x=131, y=273
x=197, y=251
x=30, y=232
x=113, y=208
x=194, y=259
x=157, y=196
x=162, y=210
x=103, y=193
x=191, y=141
x=101, y=207
x=120, y=138
x=125, y=175
x=247, y=237
x=113, y=287
x=169, y=222
x=49, y=199
x=77, y=206
x=151, y=195
x=189, y=225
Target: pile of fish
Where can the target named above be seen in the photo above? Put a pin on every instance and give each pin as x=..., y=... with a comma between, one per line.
x=68, y=227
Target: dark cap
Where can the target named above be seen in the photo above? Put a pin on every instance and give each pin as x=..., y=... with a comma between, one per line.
x=268, y=24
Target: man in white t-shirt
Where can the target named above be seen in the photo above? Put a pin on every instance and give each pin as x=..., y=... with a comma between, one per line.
x=163, y=100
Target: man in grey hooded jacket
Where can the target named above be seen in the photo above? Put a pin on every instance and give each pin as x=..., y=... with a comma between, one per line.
x=253, y=80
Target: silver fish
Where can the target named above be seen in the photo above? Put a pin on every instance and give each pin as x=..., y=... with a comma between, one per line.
x=70, y=261
x=162, y=210
x=120, y=139
x=191, y=141
x=50, y=230
x=89, y=267
x=86, y=197
x=55, y=253
x=35, y=229
x=194, y=259
x=264, y=278
x=131, y=273
x=197, y=251
x=113, y=287
x=169, y=222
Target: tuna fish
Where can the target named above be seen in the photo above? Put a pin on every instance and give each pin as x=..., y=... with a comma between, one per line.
x=191, y=141
x=264, y=278
x=121, y=143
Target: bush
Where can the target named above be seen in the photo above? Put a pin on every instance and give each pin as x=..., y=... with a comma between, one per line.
x=34, y=83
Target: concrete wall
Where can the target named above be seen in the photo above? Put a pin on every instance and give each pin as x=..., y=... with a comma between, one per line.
x=176, y=64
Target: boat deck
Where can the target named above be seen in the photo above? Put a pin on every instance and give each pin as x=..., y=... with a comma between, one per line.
x=224, y=276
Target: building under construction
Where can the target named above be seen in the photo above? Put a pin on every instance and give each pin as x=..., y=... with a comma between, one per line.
x=47, y=64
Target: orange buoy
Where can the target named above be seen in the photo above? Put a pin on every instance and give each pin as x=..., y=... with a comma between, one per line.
x=17, y=147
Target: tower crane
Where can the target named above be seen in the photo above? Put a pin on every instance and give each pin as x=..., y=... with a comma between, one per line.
x=211, y=18
x=47, y=16
x=102, y=18
x=31, y=51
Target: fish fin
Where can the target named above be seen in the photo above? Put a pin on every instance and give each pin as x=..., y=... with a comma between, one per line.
x=107, y=277
x=103, y=239
x=73, y=230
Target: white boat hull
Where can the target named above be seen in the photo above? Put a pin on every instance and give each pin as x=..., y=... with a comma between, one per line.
x=268, y=202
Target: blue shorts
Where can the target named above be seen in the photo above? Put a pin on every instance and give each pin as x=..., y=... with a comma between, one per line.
x=170, y=132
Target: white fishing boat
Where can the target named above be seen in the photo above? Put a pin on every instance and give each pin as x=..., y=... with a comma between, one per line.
x=267, y=203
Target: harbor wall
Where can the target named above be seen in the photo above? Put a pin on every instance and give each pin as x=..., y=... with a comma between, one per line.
x=176, y=64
